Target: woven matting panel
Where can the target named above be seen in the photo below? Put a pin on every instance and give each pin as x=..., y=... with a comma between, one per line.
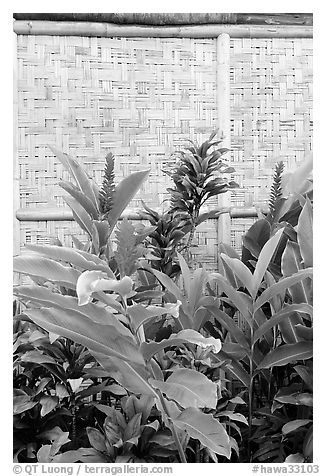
x=271, y=111
x=139, y=98
x=142, y=99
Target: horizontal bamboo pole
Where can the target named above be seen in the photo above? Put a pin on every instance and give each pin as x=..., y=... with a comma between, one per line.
x=175, y=18
x=108, y=30
x=65, y=214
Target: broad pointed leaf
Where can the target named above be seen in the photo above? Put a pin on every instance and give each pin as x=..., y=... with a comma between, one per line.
x=46, y=269
x=305, y=236
x=78, y=173
x=185, y=274
x=286, y=354
x=241, y=271
x=46, y=298
x=233, y=366
x=205, y=428
x=99, y=338
x=168, y=283
x=291, y=264
x=235, y=296
x=132, y=377
x=284, y=314
x=282, y=284
x=229, y=324
x=140, y=314
x=264, y=259
x=189, y=388
x=85, y=261
x=197, y=283
x=191, y=336
x=294, y=425
x=81, y=198
x=124, y=193
x=80, y=215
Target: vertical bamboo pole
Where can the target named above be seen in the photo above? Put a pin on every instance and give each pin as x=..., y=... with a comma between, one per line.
x=16, y=201
x=223, y=123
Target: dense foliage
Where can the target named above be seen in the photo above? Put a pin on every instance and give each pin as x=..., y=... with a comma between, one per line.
x=125, y=353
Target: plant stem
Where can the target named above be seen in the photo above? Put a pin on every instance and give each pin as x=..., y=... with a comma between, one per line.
x=250, y=390
x=174, y=433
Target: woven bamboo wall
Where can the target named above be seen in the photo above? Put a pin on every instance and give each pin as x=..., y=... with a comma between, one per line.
x=271, y=111
x=142, y=98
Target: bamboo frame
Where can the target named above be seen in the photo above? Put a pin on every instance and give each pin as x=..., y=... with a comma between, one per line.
x=223, y=122
x=23, y=27
x=16, y=198
x=65, y=214
x=175, y=18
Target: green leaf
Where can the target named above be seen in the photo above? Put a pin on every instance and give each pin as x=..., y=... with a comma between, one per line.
x=85, y=455
x=227, y=271
x=233, y=350
x=129, y=247
x=46, y=298
x=132, y=377
x=255, y=238
x=229, y=324
x=97, y=338
x=282, y=284
x=80, y=215
x=140, y=314
x=291, y=264
x=289, y=330
x=306, y=375
x=305, y=235
x=233, y=416
x=96, y=439
x=308, y=444
x=294, y=425
x=198, y=281
x=46, y=269
x=297, y=398
x=168, y=283
x=82, y=260
x=233, y=366
x=241, y=271
x=286, y=354
x=294, y=458
x=37, y=357
x=81, y=198
x=264, y=259
x=22, y=403
x=237, y=298
x=61, y=391
x=84, y=183
x=205, y=428
x=190, y=336
x=114, y=415
x=124, y=193
x=284, y=314
x=133, y=405
x=189, y=388
x=132, y=429
x=304, y=332
x=185, y=274
x=295, y=183
x=75, y=383
x=48, y=404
